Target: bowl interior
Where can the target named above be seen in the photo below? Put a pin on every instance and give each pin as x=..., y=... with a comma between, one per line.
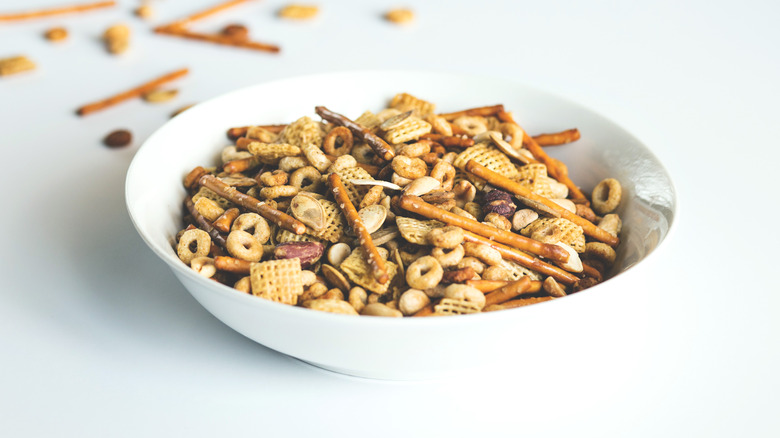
x=154, y=191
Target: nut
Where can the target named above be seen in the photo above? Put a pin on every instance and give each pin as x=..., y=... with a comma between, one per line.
x=399, y=16
x=498, y=221
x=117, y=38
x=422, y=186
x=237, y=32
x=338, y=253
x=522, y=218
x=379, y=309
x=299, y=12
x=119, y=138
x=56, y=34
x=553, y=288
x=412, y=301
x=458, y=275
x=308, y=210
x=307, y=252
x=573, y=264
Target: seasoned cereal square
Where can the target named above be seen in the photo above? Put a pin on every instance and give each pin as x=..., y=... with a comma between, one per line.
x=277, y=280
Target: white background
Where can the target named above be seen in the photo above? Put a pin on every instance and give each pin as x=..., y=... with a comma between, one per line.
x=97, y=338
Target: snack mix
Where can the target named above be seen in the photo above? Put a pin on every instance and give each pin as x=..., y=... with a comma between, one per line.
x=402, y=212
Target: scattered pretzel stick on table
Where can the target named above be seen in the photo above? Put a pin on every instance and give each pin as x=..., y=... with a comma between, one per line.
x=131, y=93
x=205, y=13
x=415, y=204
x=57, y=10
x=217, y=39
x=228, y=192
x=374, y=260
x=380, y=147
x=505, y=183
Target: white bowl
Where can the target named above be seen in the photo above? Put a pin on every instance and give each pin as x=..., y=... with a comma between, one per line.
x=408, y=348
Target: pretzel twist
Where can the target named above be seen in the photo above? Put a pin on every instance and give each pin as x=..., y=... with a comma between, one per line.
x=505, y=183
x=374, y=260
x=415, y=204
x=226, y=191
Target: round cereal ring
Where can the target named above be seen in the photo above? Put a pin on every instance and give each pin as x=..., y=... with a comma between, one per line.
x=300, y=176
x=242, y=245
x=424, y=273
x=448, y=259
x=600, y=251
x=463, y=292
x=514, y=132
x=445, y=173
x=446, y=237
x=204, y=266
x=606, y=196
x=329, y=144
x=410, y=168
x=254, y=224
x=193, y=243
x=472, y=125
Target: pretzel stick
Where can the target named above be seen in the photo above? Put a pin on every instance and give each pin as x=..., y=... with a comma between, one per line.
x=240, y=131
x=217, y=39
x=555, y=168
x=380, y=147
x=590, y=271
x=483, y=111
x=558, y=138
x=225, y=220
x=130, y=94
x=232, y=264
x=205, y=13
x=523, y=259
x=505, y=183
x=417, y=205
x=56, y=11
x=228, y=192
x=506, y=293
x=242, y=164
x=520, y=302
x=203, y=223
x=374, y=260
x=488, y=286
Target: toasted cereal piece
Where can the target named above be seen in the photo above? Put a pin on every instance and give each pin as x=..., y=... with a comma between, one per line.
x=262, y=134
x=488, y=156
x=302, y=131
x=421, y=108
x=331, y=306
x=449, y=306
x=354, y=191
x=277, y=280
x=368, y=120
x=197, y=238
x=15, y=64
x=472, y=125
x=208, y=193
x=299, y=12
x=416, y=231
x=567, y=232
x=209, y=208
x=517, y=272
x=534, y=177
x=316, y=156
x=359, y=272
x=400, y=16
x=283, y=236
x=56, y=34
x=271, y=153
x=411, y=129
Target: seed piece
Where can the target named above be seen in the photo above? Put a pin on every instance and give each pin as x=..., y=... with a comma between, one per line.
x=56, y=34
x=373, y=217
x=15, y=64
x=399, y=16
x=308, y=210
x=119, y=138
x=160, y=96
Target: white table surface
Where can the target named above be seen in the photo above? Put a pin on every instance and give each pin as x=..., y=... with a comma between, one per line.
x=99, y=339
